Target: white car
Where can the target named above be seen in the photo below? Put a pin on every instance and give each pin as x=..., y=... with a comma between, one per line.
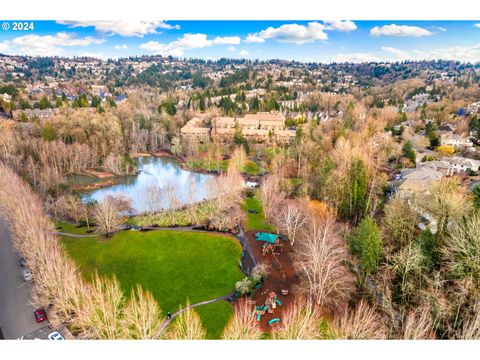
x=27, y=275
x=55, y=336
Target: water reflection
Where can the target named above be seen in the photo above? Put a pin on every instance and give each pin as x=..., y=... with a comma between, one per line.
x=160, y=184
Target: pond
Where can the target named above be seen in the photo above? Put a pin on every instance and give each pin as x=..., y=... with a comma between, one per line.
x=161, y=183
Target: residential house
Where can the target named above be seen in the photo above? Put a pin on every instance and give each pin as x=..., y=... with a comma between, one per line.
x=418, y=180
x=29, y=114
x=194, y=130
x=455, y=140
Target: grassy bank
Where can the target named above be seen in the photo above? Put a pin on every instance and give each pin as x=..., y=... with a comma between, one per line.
x=256, y=220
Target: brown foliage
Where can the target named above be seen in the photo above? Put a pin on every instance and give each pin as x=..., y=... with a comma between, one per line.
x=361, y=323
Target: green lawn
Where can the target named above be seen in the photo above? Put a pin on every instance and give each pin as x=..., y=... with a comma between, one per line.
x=256, y=221
x=172, y=265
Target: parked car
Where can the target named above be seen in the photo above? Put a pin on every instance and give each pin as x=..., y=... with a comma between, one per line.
x=27, y=275
x=55, y=336
x=22, y=262
x=40, y=315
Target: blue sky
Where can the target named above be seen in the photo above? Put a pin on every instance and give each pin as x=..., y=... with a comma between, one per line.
x=323, y=41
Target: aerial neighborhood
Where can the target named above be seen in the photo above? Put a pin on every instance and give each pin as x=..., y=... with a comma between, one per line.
x=166, y=197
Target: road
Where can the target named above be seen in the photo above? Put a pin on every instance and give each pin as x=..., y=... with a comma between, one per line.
x=16, y=314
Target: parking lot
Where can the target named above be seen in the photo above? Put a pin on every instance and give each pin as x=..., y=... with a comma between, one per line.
x=16, y=312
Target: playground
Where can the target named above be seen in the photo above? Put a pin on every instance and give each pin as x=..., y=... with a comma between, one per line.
x=278, y=290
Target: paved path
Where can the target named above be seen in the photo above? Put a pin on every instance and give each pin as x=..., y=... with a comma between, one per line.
x=16, y=313
x=247, y=263
x=168, y=321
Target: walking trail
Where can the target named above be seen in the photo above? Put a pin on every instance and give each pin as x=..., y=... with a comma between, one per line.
x=247, y=263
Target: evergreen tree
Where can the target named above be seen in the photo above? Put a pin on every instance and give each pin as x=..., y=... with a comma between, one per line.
x=366, y=244
x=168, y=106
x=349, y=119
x=254, y=105
x=409, y=152
x=43, y=103
x=354, y=204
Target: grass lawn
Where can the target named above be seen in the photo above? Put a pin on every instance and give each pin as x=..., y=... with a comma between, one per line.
x=256, y=221
x=172, y=265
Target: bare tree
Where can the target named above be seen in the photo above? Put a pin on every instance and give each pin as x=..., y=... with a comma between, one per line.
x=301, y=321
x=103, y=310
x=152, y=197
x=243, y=325
x=142, y=315
x=360, y=323
x=270, y=194
x=173, y=203
x=192, y=193
x=471, y=325
x=186, y=326
x=319, y=259
x=399, y=221
x=418, y=324
x=446, y=202
x=462, y=251
x=224, y=199
x=291, y=218
x=108, y=213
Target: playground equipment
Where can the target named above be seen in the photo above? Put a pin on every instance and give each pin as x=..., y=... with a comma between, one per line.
x=273, y=321
x=267, y=237
x=272, y=301
x=261, y=311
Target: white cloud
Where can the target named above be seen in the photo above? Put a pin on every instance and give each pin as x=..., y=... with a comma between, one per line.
x=227, y=40
x=399, y=30
x=192, y=41
x=121, y=47
x=477, y=25
x=162, y=49
x=340, y=25
x=300, y=34
x=399, y=54
x=243, y=52
x=187, y=42
x=252, y=38
x=231, y=48
x=4, y=46
x=122, y=28
x=50, y=45
x=291, y=33
x=357, y=58
x=458, y=53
